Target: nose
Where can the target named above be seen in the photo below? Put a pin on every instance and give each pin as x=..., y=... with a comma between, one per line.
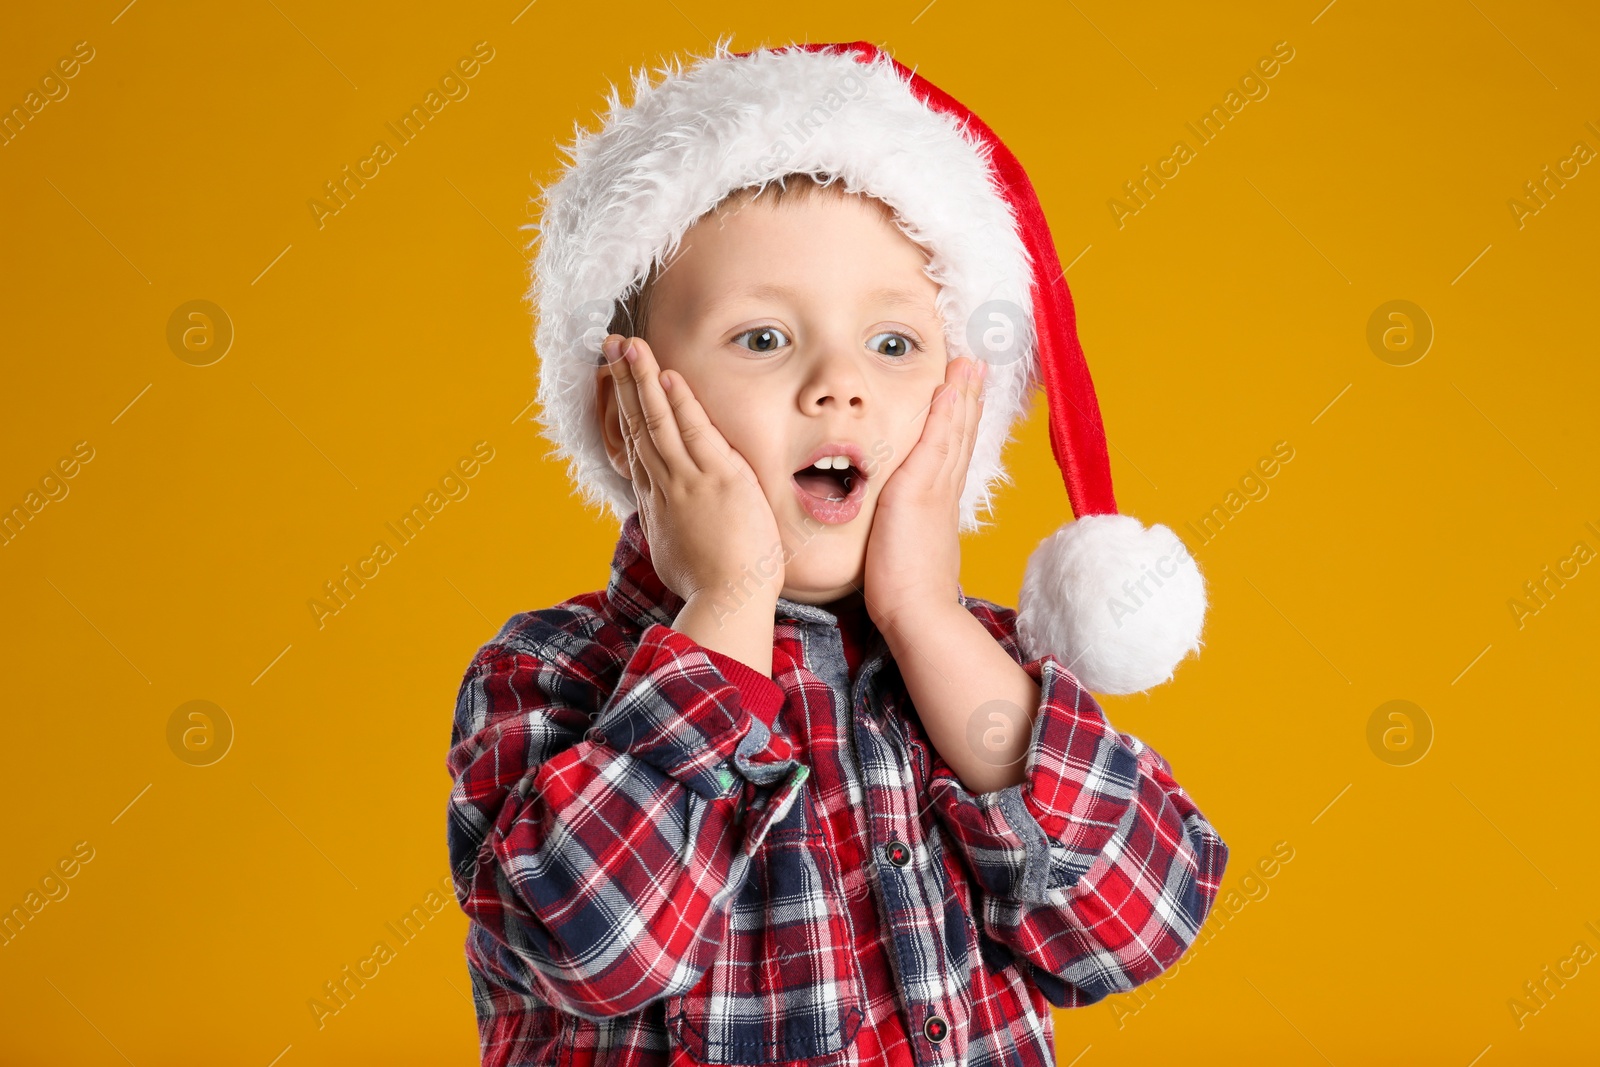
x=833, y=378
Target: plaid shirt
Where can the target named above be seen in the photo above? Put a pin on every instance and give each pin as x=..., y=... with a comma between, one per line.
x=668, y=858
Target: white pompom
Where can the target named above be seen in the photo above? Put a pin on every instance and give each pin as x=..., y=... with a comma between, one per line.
x=1118, y=605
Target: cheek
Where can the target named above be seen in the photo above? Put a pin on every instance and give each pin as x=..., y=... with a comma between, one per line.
x=754, y=433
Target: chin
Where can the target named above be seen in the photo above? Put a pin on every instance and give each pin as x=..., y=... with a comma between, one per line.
x=824, y=562
x=820, y=585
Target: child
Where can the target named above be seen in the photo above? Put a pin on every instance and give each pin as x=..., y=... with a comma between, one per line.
x=782, y=793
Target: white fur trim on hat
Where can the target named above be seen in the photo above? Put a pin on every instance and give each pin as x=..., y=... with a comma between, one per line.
x=1118, y=604
x=660, y=163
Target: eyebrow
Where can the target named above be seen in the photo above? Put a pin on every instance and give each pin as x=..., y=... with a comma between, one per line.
x=889, y=295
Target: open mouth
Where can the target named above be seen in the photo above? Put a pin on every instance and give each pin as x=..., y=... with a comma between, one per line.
x=832, y=488
x=831, y=484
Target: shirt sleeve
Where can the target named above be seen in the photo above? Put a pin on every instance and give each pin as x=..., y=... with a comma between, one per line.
x=1097, y=870
x=601, y=823
x=757, y=692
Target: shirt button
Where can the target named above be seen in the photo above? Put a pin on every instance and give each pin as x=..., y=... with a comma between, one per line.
x=936, y=1029
x=898, y=853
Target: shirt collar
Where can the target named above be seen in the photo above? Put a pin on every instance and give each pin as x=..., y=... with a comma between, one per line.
x=637, y=593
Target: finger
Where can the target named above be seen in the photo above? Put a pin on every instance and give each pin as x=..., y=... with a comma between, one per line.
x=939, y=409
x=642, y=482
x=953, y=450
x=701, y=439
x=974, y=418
x=633, y=416
x=660, y=417
x=707, y=448
x=926, y=458
x=636, y=472
x=952, y=402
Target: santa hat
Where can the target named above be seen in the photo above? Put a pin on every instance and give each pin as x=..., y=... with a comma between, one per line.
x=1118, y=604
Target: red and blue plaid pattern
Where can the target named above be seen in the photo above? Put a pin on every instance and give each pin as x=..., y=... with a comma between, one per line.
x=668, y=860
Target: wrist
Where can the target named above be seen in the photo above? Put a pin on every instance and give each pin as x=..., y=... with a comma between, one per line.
x=913, y=612
x=741, y=628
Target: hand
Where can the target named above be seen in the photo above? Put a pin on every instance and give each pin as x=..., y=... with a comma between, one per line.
x=914, y=549
x=700, y=506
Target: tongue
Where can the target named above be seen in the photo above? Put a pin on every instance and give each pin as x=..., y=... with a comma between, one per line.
x=821, y=484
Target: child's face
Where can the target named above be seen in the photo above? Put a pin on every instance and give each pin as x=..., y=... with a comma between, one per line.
x=823, y=357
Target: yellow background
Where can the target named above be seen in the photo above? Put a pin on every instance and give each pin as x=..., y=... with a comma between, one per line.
x=371, y=354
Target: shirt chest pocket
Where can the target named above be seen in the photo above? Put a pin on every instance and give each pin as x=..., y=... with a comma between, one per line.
x=786, y=985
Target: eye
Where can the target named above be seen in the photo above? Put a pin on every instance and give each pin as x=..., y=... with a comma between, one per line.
x=765, y=338
x=901, y=345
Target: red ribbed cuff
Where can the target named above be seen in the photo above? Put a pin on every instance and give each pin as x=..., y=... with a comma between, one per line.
x=760, y=695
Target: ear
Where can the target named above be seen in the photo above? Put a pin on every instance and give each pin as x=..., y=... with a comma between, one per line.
x=610, y=415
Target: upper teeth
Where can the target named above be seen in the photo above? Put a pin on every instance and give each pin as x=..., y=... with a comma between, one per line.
x=836, y=463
